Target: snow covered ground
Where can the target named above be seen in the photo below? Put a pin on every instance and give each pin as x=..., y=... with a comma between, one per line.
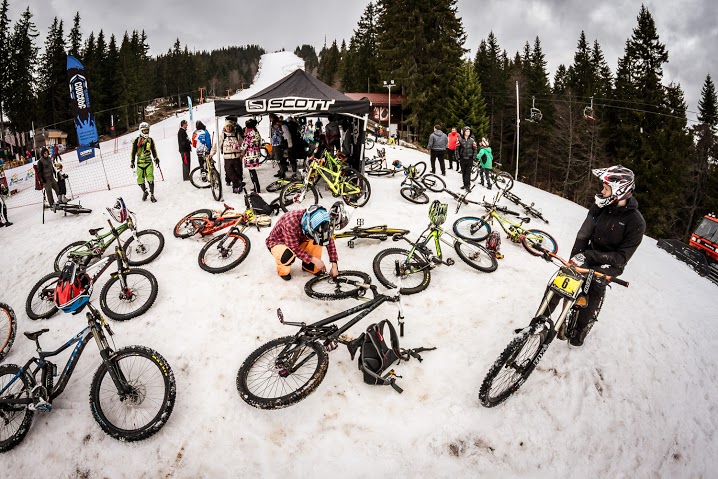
x=638, y=400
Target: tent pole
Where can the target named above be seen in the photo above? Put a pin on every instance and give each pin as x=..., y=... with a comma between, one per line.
x=219, y=148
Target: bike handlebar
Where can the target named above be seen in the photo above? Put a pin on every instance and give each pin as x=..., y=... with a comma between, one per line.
x=550, y=256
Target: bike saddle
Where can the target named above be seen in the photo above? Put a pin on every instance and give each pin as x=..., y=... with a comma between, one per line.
x=94, y=231
x=227, y=207
x=525, y=220
x=35, y=335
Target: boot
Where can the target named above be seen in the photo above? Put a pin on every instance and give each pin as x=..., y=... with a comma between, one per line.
x=145, y=193
x=153, y=199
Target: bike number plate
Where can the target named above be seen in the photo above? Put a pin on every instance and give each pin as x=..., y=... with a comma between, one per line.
x=566, y=284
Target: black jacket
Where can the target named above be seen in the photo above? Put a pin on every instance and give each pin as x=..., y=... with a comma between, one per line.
x=466, y=148
x=183, y=141
x=610, y=236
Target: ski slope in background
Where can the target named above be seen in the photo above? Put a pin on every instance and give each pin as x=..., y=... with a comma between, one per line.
x=638, y=400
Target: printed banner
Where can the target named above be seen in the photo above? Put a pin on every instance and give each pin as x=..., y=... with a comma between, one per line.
x=85, y=153
x=80, y=104
x=191, y=119
x=20, y=178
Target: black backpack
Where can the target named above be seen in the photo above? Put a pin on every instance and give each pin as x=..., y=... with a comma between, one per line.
x=257, y=203
x=376, y=357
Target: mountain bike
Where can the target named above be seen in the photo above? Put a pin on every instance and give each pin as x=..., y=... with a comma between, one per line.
x=142, y=248
x=128, y=293
x=286, y=370
x=529, y=209
x=132, y=394
x=207, y=178
x=8, y=327
x=438, y=185
x=415, y=184
x=514, y=365
x=503, y=180
x=348, y=183
x=380, y=233
x=206, y=222
x=478, y=229
x=413, y=266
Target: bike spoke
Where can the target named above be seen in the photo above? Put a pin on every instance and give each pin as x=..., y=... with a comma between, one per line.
x=145, y=246
x=513, y=371
x=265, y=380
x=139, y=288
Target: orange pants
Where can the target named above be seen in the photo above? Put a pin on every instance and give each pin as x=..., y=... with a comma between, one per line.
x=284, y=257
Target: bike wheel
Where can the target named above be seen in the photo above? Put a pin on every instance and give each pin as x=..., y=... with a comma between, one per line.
x=352, y=180
x=267, y=381
x=414, y=194
x=415, y=274
x=504, y=181
x=275, y=186
x=433, y=183
x=195, y=177
x=146, y=249
x=8, y=327
x=76, y=209
x=40, y=302
x=123, y=304
x=476, y=256
x=192, y=224
x=264, y=154
x=513, y=366
x=326, y=287
x=420, y=169
x=146, y=406
x=297, y=196
x=380, y=172
x=472, y=228
x=224, y=252
x=474, y=172
x=216, y=184
x=533, y=239
x=63, y=257
x=15, y=420
x=369, y=143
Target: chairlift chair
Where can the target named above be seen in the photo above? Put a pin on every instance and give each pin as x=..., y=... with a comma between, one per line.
x=588, y=114
x=536, y=114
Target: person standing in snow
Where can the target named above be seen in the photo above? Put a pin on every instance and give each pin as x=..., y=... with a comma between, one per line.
x=143, y=147
x=3, y=212
x=438, y=141
x=230, y=143
x=46, y=176
x=486, y=162
x=466, y=152
x=250, y=151
x=451, y=147
x=202, y=143
x=185, y=149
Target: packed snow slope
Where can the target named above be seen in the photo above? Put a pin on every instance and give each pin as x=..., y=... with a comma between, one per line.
x=638, y=400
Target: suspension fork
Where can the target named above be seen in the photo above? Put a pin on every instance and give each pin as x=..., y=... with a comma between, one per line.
x=96, y=322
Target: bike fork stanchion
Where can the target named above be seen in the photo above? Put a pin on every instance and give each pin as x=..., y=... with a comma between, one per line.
x=400, y=315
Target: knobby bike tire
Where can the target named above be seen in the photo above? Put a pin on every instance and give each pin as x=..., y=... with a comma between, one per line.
x=513, y=366
x=43, y=307
x=187, y=227
x=433, y=183
x=159, y=396
x=475, y=169
x=289, y=197
x=546, y=241
x=369, y=143
x=385, y=270
x=471, y=228
x=143, y=252
x=17, y=420
x=232, y=248
x=328, y=288
x=275, y=186
x=75, y=209
x=293, y=387
x=476, y=256
x=143, y=286
x=195, y=177
x=419, y=168
x=380, y=172
x=63, y=256
x=352, y=177
x=216, y=184
x=504, y=181
x=8, y=328
x=414, y=194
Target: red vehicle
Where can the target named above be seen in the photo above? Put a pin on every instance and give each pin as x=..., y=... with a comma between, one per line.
x=705, y=238
x=701, y=253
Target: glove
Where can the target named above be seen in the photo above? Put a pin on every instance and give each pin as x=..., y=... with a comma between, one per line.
x=592, y=257
x=132, y=165
x=157, y=162
x=579, y=260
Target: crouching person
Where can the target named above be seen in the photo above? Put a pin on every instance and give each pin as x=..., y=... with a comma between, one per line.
x=303, y=234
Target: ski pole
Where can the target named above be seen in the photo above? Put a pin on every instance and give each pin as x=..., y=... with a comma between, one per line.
x=161, y=174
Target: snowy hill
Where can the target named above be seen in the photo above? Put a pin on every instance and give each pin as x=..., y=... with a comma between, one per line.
x=638, y=400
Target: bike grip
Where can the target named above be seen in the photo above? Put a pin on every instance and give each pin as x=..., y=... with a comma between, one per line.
x=620, y=282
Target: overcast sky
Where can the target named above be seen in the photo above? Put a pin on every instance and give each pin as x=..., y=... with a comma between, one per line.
x=689, y=28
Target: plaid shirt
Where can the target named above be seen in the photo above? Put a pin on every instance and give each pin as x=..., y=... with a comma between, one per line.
x=288, y=231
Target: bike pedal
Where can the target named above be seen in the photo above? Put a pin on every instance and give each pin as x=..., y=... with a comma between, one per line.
x=450, y=262
x=41, y=406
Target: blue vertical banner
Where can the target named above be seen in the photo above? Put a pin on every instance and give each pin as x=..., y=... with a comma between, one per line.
x=80, y=108
x=189, y=102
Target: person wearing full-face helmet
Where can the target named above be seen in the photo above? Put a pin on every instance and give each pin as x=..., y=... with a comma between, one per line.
x=143, y=147
x=608, y=238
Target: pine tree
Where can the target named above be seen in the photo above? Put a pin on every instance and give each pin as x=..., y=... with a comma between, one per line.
x=74, y=39
x=21, y=73
x=466, y=105
x=54, y=101
x=360, y=68
x=708, y=104
x=4, y=53
x=329, y=65
x=309, y=55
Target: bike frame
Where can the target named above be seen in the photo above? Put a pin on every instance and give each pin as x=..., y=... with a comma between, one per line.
x=98, y=241
x=336, y=186
x=437, y=234
x=514, y=234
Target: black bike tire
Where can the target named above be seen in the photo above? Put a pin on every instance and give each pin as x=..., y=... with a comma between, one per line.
x=28, y=383
x=198, y=182
x=383, y=279
x=509, y=353
x=264, y=155
x=141, y=310
x=361, y=198
x=431, y=181
x=164, y=412
x=275, y=186
x=505, y=179
x=484, y=230
x=28, y=303
x=309, y=288
x=380, y=172
x=7, y=340
x=288, y=399
x=150, y=258
x=59, y=263
x=475, y=169
x=239, y=236
x=216, y=184
x=535, y=252
x=293, y=186
x=204, y=213
x=369, y=143
x=484, y=252
x=419, y=169
x=413, y=194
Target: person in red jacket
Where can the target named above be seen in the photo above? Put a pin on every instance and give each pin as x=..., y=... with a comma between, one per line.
x=453, y=139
